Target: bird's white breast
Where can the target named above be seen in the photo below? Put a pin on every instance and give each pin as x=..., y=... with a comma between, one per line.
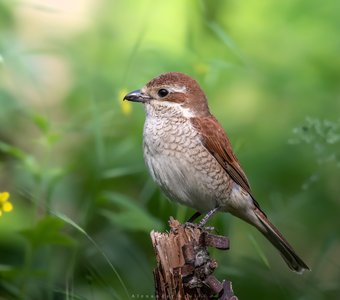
x=179, y=163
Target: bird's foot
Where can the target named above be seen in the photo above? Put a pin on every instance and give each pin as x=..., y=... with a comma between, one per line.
x=197, y=225
x=201, y=225
x=190, y=225
x=208, y=228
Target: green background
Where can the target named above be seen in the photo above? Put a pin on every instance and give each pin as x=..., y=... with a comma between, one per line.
x=71, y=154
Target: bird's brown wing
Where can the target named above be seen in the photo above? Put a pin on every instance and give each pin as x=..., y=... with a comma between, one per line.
x=217, y=143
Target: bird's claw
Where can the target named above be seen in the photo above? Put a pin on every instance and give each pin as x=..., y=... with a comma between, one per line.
x=199, y=226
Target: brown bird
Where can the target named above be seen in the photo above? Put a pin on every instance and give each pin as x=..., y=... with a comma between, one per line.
x=190, y=157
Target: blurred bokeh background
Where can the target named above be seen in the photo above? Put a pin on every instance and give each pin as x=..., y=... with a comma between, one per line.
x=71, y=154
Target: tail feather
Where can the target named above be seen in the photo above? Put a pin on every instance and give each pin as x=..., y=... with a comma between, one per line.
x=293, y=261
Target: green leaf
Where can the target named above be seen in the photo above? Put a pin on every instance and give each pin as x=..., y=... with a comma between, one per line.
x=41, y=122
x=70, y=222
x=47, y=231
x=13, y=151
x=130, y=216
x=226, y=39
x=28, y=160
x=5, y=268
x=6, y=16
x=53, y=137
x=121, y=171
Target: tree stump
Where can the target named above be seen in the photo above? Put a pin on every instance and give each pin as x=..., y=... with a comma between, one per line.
x=184, y=268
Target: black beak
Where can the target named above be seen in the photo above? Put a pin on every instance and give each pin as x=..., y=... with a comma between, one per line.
x=137, y=96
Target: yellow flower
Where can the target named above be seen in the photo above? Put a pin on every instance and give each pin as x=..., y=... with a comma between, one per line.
x=125, y=106
x=5, y=205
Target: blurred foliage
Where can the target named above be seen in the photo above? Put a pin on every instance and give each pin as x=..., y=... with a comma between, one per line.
x=71, y=156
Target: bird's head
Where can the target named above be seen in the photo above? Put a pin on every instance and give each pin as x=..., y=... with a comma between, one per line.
x=172, y=90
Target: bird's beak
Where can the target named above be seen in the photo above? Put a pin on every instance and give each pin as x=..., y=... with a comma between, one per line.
x=137, y=96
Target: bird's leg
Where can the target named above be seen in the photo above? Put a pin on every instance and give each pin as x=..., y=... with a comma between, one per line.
x=190, y=222
x=194, y=217
x=208, y=216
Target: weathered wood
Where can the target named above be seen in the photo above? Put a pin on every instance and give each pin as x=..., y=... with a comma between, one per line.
x=184, y=268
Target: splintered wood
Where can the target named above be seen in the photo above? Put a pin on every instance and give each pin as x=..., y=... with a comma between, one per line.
x=184, y=268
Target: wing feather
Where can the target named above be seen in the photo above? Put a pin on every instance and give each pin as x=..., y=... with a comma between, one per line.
x=217, y=143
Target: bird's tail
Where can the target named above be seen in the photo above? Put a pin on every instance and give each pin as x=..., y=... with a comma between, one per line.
x=293, y=261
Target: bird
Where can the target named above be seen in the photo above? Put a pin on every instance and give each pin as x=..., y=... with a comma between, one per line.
x=190, y=157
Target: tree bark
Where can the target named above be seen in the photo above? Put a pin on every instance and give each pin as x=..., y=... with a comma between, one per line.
x=184, y=268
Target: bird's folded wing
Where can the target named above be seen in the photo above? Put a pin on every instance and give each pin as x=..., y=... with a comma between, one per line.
x=217, y=143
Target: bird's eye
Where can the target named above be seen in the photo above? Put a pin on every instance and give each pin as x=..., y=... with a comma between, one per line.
x=162, y=93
